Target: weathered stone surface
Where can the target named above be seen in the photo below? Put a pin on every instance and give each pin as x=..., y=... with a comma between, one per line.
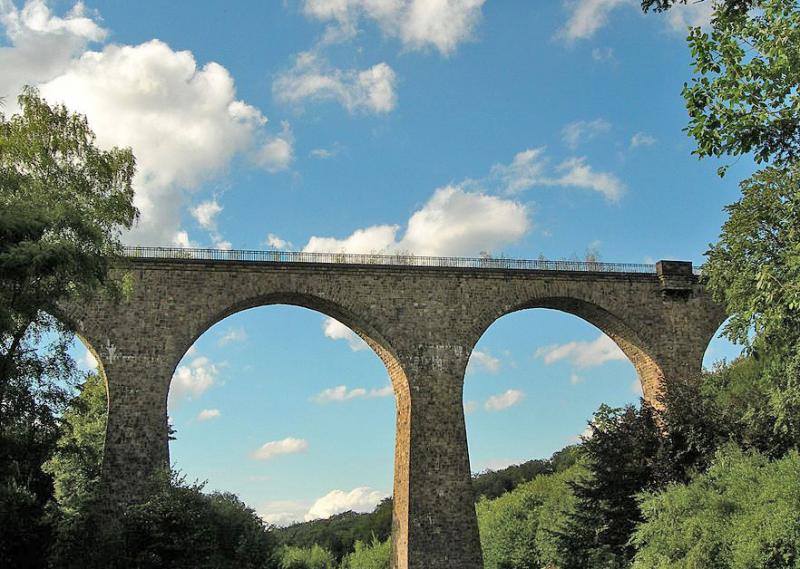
x=422, y=322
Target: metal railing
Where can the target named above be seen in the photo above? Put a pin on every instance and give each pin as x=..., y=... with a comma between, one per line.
x=255, y=256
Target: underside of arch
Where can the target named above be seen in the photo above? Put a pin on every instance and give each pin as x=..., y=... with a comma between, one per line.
x=650, y=374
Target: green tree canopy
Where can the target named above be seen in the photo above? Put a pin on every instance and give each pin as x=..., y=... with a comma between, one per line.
x=741, y=514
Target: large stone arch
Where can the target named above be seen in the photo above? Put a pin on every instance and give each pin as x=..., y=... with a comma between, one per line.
x=628, y=339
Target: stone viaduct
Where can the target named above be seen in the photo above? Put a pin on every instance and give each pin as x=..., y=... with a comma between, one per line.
x=422, y=316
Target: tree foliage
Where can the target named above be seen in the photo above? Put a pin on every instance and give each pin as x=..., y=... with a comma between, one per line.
x=744, y=96
x=517, y=529
x=742, y=513
x=373, y=555
x=63, y=203
x=75, y=464
x=177, y=527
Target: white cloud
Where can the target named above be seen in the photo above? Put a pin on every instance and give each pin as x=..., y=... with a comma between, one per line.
x=88, y=361
x=312, y=78
x=636, y=387
x=576, y=172
x=208, y=414
x=582, y=354
x=418, y=24
x=339, y=393
x=274, y=242
x=323, y=153
x=182, y=121
x=575, y=379
x=362, y=499
x=588, y=16
x=342, y=393
x=193, y=379
x=482, y=361
x=642, y=139
x=504, y=400
x=470, y=407
x=232, y=335
x=42, y=44
x=385, y=391
x=289, y=445
x=529, y=168
x=206, y=213
x=335, y=330
x=578, y=132
x=452, y=222
x=283, y=512
x=277, y=152
x=526, y=170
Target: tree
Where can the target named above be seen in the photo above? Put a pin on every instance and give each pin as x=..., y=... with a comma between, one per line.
x=177, y=527
x=664, y=5
x=63, y=203
x=516, y=529
x=374, y=555
x=621, y=455
x=744, y=98
x=75, y=465
x=754, y=269
x=742, y=513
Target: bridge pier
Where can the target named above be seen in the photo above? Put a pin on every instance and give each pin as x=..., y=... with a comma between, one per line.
x=440, y=529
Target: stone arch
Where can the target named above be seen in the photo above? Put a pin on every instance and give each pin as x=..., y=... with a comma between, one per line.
x=368, y=332
x=630, y=341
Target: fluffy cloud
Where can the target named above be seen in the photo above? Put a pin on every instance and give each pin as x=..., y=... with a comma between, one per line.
x=193, y=379
x=526, y=170
x=642, y=139
x=363, y=499
x=577, y=173
x=530, y=168
x=183, y=122
x=504, y=400
x=453, y=222
x=289, y=445
x=312, y=78
x=42, y=44
x=277, y=152
x=282, y=513
x=341, y=393
x=418, y=24
x=232, y=335
x=335, y=330
x=578, y=132
x=588, y=16
x=582, y=354
x=208, y=414
x=206, y=214
x=470, y=407
x=483, y=361
x=274, y=242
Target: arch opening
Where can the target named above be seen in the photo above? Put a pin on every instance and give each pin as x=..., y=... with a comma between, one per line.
x=543, y=378
x=280, y=400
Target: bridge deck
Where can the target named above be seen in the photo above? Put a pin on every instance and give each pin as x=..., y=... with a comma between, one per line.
x=284, y=257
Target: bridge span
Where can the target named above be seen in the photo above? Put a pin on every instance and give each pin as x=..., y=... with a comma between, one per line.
x=421, y=315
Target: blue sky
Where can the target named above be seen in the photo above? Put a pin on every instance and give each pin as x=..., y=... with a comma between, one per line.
x=446, y=128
